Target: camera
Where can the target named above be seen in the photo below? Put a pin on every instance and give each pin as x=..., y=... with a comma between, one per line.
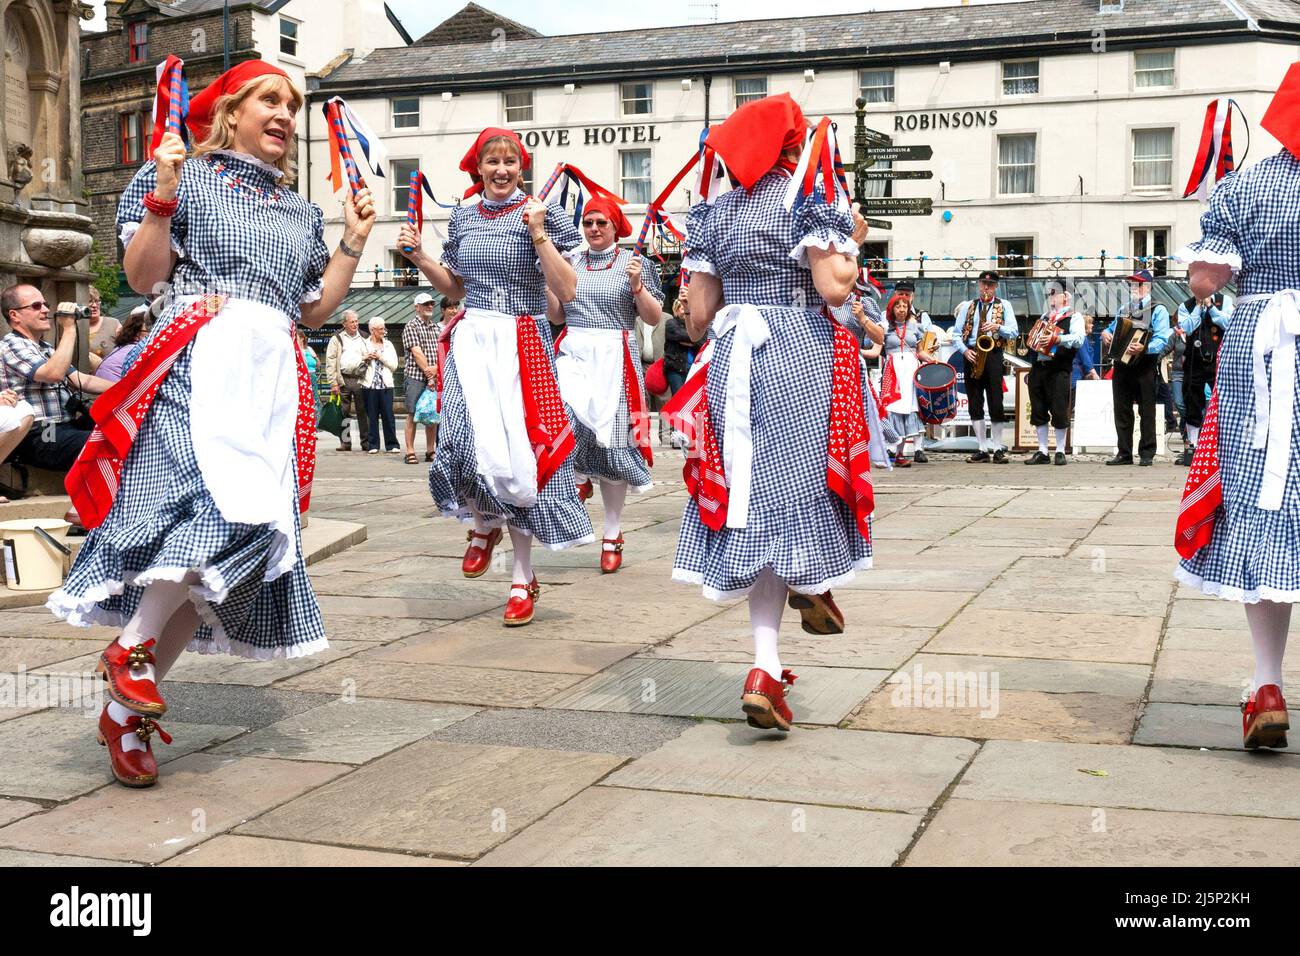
x=74, y=310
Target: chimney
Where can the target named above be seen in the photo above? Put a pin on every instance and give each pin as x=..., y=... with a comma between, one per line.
x=113, y=14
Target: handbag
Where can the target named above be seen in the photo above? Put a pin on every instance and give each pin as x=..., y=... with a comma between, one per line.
x=331, y=416
x=426, y=408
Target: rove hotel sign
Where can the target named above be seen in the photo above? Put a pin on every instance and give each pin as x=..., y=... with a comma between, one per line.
x=589, y=136
x=954, y=119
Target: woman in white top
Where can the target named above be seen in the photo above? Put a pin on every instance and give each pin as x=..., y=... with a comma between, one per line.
x=378, y=361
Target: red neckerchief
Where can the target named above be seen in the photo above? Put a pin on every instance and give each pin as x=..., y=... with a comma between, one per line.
x=549, y=428
x=635, y=403
x=706, y=482
x=1203, y=493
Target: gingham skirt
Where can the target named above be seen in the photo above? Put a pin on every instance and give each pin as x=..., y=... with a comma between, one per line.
x=907, y=426
x=164, y=524
x=796, y=525
x=558, y=520
x=1253, y=555
x=620, y=462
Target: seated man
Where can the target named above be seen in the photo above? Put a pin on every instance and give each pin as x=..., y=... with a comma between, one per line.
x=37, y=372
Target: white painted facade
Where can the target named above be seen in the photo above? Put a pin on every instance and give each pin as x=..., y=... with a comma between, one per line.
x=1083, y=118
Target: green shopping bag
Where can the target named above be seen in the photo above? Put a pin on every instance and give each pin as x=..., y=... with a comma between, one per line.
x=331, y=416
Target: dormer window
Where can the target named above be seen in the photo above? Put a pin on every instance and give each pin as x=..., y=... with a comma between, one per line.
x=137, y=38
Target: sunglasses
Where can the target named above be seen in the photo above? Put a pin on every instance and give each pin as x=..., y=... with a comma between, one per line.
x=41, y=304
x=595, y=223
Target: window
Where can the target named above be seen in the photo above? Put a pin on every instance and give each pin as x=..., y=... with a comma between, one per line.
x=137, y=38
x=526, y=180
x=636, y=175
x=403, y=272
x=879, y=188
x=876, y=254
x=638, y=98
x=406, y=113
x=288, y=36
x=1016, y=257
x=876, y=86
x=402, y=169
x=750, y=88
x=132, y=130
x=1016, y=162
x=1152, y=242
x=1153, y=70
x=1019, y=77
x=519, y=107
x=1153, y=158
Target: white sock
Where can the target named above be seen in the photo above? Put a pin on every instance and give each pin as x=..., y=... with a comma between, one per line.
x=1060, y=439
x=1269, y=622
x=766, y=603
x=480, y=523
x=522, y=543
x=1042, y=440
x=980, y=434
x=119, y=714
x=158, y=603
x=1193, y=432
x=1003, y=432
x=613, y=494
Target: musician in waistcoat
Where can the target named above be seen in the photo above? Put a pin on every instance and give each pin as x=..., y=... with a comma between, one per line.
x=1144, y=326
x=984, y=327
x=1054, y=341
x=1203, y=323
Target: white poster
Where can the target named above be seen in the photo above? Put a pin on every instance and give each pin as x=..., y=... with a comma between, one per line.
x=1094, y=418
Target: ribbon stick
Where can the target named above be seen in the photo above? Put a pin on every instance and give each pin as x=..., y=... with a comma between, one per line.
x=171, y=102
x=550, y=183
x=341, y=151
x=1214, y=158
x=413, y=216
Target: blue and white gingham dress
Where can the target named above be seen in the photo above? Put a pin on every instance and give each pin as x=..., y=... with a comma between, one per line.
x=1254, y=222
x=604, y=301
x=232, y=239
x=909, y=424
x=497, y=260
x=796, y=525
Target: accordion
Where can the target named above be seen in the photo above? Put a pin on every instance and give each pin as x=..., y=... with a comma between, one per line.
x=1127, y=331
x=1044, y=336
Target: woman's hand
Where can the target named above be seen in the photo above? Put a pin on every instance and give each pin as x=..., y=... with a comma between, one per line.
x=408, y=240
x=634, y=275
x=169, y=157
x=9, y=397
x=535, y=218
x=358, y=216
x=859, y=225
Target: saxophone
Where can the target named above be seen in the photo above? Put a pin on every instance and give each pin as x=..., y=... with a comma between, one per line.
x=985, y=343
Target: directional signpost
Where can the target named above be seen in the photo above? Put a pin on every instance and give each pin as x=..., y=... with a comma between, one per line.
x=872, y=146
x=878, y=174
x=900, y=153
x=878, y=223
x=897, y=207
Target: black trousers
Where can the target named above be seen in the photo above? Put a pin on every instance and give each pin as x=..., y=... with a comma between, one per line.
x=987, y=390
x=1194, y=400
x=1049, y=395
x=1130, y=385
x=51, y=446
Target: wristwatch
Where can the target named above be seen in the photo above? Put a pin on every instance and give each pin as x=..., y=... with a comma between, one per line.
x=542, y=241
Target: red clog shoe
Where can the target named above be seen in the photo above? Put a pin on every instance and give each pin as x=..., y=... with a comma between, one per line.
x=585, y=490
x=478, y=557
x=764, y=700
x=519, y=609
x=611, y=560
x=819, y=613
x=124, y=670
x=133, y=768
x=1264, y=720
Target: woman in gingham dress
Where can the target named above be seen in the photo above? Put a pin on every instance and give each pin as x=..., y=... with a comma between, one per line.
x=902, y=352
x=201, y=545
x=615, y=286
x=1250, y=553
x=504, y=447
x=776, y=271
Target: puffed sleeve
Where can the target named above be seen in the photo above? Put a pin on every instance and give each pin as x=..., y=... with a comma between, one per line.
x=451, y=247
x=651, y=280
x=822, y=226
x=699, y=241
x=1218, y=244
x=561, y=230
x=130, y=208
x=317, y=259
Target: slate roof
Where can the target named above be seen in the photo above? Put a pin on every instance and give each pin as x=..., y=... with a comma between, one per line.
x=959, y=32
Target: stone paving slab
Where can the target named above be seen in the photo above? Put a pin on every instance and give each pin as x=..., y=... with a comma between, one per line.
x=244, y=707
x=390, y=607
x=1140, y=778
x=349, y=627
x=1190, y=725
x=607, y=826
x=911, y=608
x=629, y=735
x=1049, y=634
x=453, y=800
x=198, y=796
x=1209, y=677
x=643, y=685
x=827, y=767
x=433, y=682
x=448, y=646
x=992, y=833
x=1088, y=598
x=233, y=850
x=605, y=620
x=68, y=761
x=31, y=652
x=10, y=858
x=1228, y=615
x=347, y=731
x=11, y=810
x=229, y=669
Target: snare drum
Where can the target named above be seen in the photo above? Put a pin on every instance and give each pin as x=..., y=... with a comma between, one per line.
x=936, y=393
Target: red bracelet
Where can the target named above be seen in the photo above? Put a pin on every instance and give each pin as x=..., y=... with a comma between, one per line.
x=160, y=207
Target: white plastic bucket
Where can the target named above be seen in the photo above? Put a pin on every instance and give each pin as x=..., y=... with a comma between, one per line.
x=31, y=561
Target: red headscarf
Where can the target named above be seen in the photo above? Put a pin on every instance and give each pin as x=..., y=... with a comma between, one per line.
x=752, y=139
x=200, y=118
x=469, y=163
x=1283, y=116
x=610, y=207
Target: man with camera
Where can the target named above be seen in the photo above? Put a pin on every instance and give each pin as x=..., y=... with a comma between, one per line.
x=41, y=373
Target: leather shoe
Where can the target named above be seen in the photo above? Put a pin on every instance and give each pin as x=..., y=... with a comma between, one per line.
x=1000, y=457
x=523, y=598
x=132, y=768
x=1037, y=458
x=611, y=560
x=819, y=613
x=763, y=700
x=1264, y=720
x=901, y=462
x=124, y=671
x=1060, y=458
x=479, y=556
x=979, y=456
x=585, y=490
x=920, y=457
x=1120, y=460
x=1145, y=462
